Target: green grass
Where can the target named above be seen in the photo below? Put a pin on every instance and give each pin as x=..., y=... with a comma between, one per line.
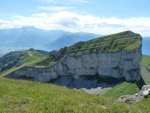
x=31, y=97
x=19, y=96
x=122, y=89
x=145, y=68
x=146, y=61
x=28, y=59
x=46, y=61
x=112, y=43
x=13, y=69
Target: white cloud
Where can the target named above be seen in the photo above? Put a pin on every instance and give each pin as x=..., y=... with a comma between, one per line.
x=79, y=1
x=57, y=8
x=60, y=5
x=79, y=23
x=64, y=1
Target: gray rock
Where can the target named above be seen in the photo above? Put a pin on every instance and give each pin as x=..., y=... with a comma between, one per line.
x=34, y=73
x=120, y=65
x=99, y=90
x=143, y=93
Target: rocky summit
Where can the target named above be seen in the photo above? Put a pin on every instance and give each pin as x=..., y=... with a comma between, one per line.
x=110, y=59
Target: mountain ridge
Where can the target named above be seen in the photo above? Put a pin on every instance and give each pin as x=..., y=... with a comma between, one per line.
x=30, y=37
x=18, y=59
x=72, y=65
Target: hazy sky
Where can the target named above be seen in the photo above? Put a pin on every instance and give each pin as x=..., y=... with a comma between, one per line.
x=96, y=16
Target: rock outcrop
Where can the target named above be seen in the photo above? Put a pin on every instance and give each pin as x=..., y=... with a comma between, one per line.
x=111, y=59
x=143, y=93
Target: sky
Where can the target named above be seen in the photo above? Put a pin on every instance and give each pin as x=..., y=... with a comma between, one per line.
x=95, y=16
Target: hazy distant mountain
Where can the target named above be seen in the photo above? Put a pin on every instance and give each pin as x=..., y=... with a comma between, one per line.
x=71, y=38
x=24, y=38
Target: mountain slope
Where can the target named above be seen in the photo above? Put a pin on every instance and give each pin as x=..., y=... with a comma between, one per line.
x=112, y=43
x=113, y=58
x=124, y=41
x=145, y=68
x=32, y=97
x=15, y=60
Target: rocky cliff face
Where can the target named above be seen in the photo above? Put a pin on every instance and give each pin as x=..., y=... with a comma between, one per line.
x=119, y=65
x=83, y=66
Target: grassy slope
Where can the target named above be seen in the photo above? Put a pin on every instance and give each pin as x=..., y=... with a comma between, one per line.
x=111, y=43
x=146, y=61
x=145, y=68
x=28, y=59
x=46, y=62
x=122, y=89
x=32, y=97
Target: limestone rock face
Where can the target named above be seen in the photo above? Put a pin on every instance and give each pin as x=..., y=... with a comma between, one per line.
x=80, y=66
x=119, y=65
x=37, y=74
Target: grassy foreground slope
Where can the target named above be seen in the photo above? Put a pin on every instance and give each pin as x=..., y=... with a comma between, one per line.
x=32, y=97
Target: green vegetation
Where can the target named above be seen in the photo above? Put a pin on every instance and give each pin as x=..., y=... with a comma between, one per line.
x=112, y=43
x=146, y=61
x=122, y=89
x=19, y=96
x=145, y=68
x=47, y=62
x=17, y=60
x=31, y=97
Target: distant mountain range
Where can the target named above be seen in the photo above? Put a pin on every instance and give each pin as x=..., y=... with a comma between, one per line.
x=24, y=38
x=29, y=37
